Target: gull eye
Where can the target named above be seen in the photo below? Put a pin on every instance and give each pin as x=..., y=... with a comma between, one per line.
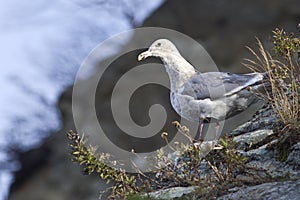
x=158, y=44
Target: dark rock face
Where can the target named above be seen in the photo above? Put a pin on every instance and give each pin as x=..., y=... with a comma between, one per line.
x=57, y=177
x=223, y=27
x=276, y=190
x=226, y=27
x=32, y=161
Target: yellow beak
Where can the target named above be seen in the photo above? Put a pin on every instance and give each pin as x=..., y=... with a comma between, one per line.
x=144, y=55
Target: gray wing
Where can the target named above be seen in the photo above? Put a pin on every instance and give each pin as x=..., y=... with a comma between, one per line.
x=216, y=85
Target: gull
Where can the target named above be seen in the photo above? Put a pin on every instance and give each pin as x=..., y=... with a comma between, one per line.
x=204, y=97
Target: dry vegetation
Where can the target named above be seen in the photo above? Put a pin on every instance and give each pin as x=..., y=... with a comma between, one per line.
x=283, y=74
x=283, y=77
x=214, y=173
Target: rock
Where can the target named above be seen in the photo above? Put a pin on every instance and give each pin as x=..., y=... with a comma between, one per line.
x=171, y=193
x=268, y=160
x=252, y=138
x=275, y=190
x=263, y=118
x=294, y=156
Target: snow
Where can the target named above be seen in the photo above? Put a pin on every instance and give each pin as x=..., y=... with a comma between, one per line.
x=42, y=46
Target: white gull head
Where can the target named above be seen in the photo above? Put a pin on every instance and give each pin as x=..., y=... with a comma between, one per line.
x=178, y=69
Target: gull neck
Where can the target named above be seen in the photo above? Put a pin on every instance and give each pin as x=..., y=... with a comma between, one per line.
x=178, y=69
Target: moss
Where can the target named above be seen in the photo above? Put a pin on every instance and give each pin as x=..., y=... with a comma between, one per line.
x=283, y=154
x=139, y=197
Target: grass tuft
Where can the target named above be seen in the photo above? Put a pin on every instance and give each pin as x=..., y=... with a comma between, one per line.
x=282, y=93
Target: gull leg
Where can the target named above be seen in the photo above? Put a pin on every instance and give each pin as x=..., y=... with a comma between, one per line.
x=217, y=129
x=199, y=131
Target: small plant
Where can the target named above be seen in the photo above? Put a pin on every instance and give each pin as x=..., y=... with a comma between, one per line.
x=123, y=183
x=285, y=44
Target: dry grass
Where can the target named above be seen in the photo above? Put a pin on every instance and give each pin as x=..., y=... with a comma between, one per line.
x=282, y=93
x=185, y=168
